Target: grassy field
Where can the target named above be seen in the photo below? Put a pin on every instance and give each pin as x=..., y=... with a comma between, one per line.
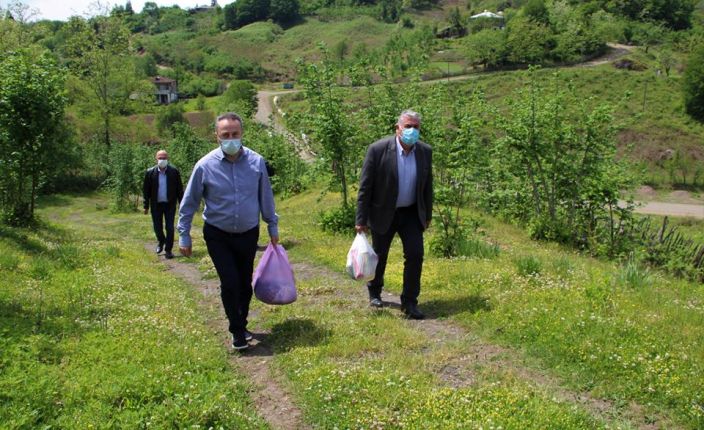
x=537, y=337
x=95, y=334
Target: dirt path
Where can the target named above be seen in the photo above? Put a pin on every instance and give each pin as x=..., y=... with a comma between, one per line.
x=669, y=209
x=276, y=405
x=617, y=51
x=265, y=115
x=270, y=397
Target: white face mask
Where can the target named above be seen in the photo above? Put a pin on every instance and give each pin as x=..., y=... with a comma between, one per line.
x=162, y=163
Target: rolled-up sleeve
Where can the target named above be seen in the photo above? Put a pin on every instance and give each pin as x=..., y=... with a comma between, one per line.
x=266, y=202
x=189, y=205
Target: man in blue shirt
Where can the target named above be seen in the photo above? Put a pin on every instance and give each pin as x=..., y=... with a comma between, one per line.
x=233, y=182
x=161, y=190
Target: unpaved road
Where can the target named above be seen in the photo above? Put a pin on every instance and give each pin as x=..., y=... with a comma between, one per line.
x=671, y=209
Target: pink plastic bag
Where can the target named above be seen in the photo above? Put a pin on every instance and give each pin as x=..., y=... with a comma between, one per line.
x=273, y=281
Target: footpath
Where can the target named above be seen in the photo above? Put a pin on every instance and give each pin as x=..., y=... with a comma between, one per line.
x=276, y=403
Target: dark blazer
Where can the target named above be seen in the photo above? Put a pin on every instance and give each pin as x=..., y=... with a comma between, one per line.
x=378, y=185
x=150, y=189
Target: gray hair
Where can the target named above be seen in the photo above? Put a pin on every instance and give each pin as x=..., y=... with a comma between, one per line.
x=231, y=116
x=409, y=113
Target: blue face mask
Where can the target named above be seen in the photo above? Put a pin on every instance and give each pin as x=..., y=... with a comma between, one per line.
x=409, y=136
x=230, y=146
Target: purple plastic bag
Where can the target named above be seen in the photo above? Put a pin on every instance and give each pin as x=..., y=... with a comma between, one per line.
x=273, y=281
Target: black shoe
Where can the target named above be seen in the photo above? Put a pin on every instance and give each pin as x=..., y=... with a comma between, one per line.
x=248, y=335
x=239, y=342
x=412, y=312
x=169, y=255
x=159, y=248
x=376, y=302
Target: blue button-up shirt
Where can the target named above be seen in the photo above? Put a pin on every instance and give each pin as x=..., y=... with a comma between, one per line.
x=235, y=193
x=161, y=191
x=406, y=164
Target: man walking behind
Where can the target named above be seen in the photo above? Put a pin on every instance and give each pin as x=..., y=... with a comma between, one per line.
x=234, y=183
x=161, y=190
x=396, y=196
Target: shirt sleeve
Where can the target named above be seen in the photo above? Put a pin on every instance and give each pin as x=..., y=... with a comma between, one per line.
x=266, y=202
x=189, y=205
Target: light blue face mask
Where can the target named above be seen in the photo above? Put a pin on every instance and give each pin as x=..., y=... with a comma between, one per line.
x=230, y=146
x=409, y=136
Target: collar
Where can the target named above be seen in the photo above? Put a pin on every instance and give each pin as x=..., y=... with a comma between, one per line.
x=220, y=156
x=400, y=150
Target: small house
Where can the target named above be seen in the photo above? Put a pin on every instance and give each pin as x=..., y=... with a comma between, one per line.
x=166, y=90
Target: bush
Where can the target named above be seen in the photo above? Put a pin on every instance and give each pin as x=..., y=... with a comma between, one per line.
x=528, y=265
x=126, y=167
x=338, y=220
x=243, y=95
x=168, y=116
x=693, y=85
x=634, y=276
x=475, y=247
x=291, y=173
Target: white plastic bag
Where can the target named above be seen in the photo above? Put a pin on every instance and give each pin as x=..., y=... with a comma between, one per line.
x=361, y=259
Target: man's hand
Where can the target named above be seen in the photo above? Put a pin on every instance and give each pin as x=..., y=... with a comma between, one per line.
x=146, y=211
x=186, y=251
x=274, y=240
x=361, y=228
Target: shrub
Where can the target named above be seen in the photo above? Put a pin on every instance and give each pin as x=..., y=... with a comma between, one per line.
x=126, y=167
x=528, y=265
x=168, y=116
x=634, y=276
x=475, y=247
x=240, y=93
x=693, y=84
x=338, y=220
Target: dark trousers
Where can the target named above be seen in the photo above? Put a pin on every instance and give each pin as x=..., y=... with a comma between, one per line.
x=233, y=258
x=164, y=213
x=410, y=230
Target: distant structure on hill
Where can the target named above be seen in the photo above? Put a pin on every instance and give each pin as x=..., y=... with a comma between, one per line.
x=166, y=90
x=490, y=19
x=204, y=8
x=487, y=14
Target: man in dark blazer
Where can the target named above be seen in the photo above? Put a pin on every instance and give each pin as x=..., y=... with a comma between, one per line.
x=396, y=196
x=161, y=191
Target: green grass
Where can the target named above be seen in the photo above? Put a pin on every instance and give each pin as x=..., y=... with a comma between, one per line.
x=86, y=302
x=619, y=343
x=94, y=333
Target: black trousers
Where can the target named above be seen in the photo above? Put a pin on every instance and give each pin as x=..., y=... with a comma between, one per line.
x=410, y=230
x=233, y=258
x=164, y=213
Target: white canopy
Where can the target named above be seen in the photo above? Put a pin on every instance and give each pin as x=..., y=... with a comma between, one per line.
x=486, y=14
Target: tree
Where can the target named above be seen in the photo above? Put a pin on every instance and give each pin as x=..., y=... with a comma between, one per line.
x=98, y=52
x=32, y=104
x=457, y=22
x=536, y=11
x=693, y=84
x=284, y=11
x=561, y=166
x=488, y=48
x=168, y=116
x=241, y=97
x=328, y=120
x=527, y=42
x=243, y=12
